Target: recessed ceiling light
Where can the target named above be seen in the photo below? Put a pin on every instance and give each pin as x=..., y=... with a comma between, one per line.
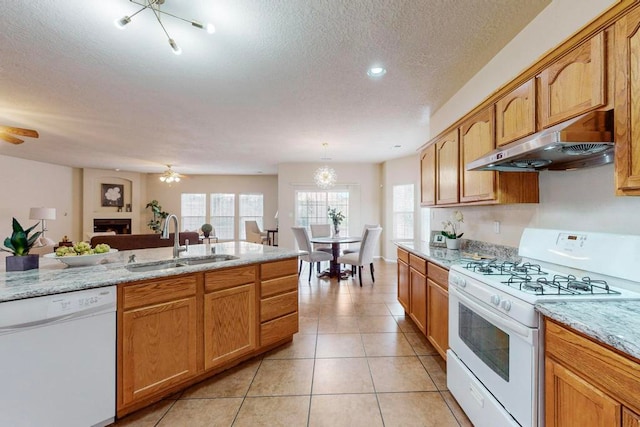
x=376, y=72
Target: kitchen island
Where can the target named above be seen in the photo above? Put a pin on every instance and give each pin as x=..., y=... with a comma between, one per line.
x=179, y=325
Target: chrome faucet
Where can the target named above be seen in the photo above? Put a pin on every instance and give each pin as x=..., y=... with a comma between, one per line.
x=176, y=235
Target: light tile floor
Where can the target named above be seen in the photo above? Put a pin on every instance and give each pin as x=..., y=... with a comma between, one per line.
x=356, y=361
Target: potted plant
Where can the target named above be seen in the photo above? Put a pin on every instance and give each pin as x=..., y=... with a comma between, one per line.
x=158, y=215
x=206, y=229
x=19, y=244
x=336, y=217
x=451, y=228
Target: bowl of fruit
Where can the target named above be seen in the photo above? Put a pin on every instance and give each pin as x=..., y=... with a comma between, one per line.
x=81, y=254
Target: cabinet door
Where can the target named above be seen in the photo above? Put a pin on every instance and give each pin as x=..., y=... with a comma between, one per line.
x=516, y=114
x=477, y=139
x=574, y=84
x=630, y=419
x=229, y=324
x=159, y=347
x=403, y=284
x=447, y=163
x=571, y=401
x=627, y=104
x=438, y=317
x=418, y=299
x=428, y=176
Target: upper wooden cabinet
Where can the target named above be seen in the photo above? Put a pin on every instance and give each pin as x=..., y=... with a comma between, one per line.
x=447, y=167
x=428, y=176
x=627, y=104
x=575, y=83
x=516, y=114
x=476, y=139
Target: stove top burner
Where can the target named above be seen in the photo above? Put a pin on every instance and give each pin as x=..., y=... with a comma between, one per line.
x=520, y=276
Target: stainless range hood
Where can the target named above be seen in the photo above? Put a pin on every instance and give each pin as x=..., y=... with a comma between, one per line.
x=580, y=142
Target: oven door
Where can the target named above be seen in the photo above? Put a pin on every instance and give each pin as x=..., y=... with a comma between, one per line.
x=499, y=352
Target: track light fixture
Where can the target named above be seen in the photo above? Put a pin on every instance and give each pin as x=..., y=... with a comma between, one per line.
x=154, y=6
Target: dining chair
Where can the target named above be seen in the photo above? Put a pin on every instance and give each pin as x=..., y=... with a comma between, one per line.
x=321, y=230
x=356, y=250
x=253, y=232
x=309, y=255
x=365, y=255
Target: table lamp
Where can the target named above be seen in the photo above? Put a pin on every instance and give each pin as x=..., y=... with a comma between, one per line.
x=42, y=214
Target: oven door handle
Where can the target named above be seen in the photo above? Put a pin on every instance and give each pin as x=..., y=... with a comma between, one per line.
x=513, y=327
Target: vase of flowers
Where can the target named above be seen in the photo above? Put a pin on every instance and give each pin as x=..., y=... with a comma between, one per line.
x=336, y=218
x=451, y=230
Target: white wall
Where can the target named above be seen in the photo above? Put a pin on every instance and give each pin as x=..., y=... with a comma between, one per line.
x=364, y=178
x=578, y=200
x=169, y=196
x=405, y=170
x=28, y=184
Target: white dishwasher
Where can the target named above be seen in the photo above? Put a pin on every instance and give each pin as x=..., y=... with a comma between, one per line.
x=58, y=360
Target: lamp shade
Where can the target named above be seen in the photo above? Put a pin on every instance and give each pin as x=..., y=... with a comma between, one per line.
x=42, y=213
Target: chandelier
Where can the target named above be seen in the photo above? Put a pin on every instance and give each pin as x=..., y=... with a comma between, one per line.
x=325, y=177
x=154, y=6
x=169, y=176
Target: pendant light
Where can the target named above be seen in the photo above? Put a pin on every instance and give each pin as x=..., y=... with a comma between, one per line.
x=325, y=176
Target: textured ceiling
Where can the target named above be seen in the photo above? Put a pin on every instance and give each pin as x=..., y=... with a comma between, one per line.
x=277, y=79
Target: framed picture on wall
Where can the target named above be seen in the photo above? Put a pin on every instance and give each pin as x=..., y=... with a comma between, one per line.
x=112, y=195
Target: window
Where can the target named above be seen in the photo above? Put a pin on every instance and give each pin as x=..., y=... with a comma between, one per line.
x=311, y=207
x=251, y=209
x=193, y=211
x=403, y=207
x=223, y=215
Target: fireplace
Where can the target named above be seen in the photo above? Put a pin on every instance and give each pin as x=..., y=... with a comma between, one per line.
x=120, y=226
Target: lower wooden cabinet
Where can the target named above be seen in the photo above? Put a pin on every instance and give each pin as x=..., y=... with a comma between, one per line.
x=403, y=281
x=418, y=299
x=175, y=331
x=158, y=337
x=586, y=383
x=229, y=324
x=438, y=308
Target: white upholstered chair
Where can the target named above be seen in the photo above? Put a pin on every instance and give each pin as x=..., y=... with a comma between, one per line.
x=309, y=255
x=321, y=230
x=355, y=250
x=254, y=234
x=365, y=255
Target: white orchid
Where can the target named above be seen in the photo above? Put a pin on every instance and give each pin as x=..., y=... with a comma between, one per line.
x=450, y=228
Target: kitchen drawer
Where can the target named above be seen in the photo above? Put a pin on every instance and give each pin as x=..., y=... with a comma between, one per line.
x=221, y=279
x=278, y=286
x=279, y=305
x=439, y=275
x=418, y=264
x=272, y=270
x=278, y=329
x=403, y=255
x=158, y=290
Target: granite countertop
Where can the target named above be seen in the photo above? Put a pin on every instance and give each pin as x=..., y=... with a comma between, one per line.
x=447, y=257
x=54, y=277
x=615, y=323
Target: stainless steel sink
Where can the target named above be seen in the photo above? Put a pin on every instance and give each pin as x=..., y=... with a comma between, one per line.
x=177, y=263
x=153, y=266
x=207, y=259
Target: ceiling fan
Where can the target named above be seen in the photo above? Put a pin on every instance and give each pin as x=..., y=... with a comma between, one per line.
x=6, y=131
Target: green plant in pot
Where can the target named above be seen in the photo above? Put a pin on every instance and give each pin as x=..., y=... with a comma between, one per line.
x=206, y=229
x=19, y=244
x=158, y=215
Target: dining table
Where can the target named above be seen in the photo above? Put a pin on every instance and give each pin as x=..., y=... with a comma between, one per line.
x=335, y=242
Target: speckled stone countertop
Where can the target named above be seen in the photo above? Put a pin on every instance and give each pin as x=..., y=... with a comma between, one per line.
x=447, y=257
x=616, y=323
x=54, y=277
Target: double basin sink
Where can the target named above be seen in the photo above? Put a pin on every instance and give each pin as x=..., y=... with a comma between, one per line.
x=177, y=263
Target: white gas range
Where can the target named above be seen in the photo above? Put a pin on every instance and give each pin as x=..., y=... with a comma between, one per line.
x=494, y=362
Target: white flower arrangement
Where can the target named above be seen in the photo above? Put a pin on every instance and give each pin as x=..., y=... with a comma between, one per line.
x=451, y=228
